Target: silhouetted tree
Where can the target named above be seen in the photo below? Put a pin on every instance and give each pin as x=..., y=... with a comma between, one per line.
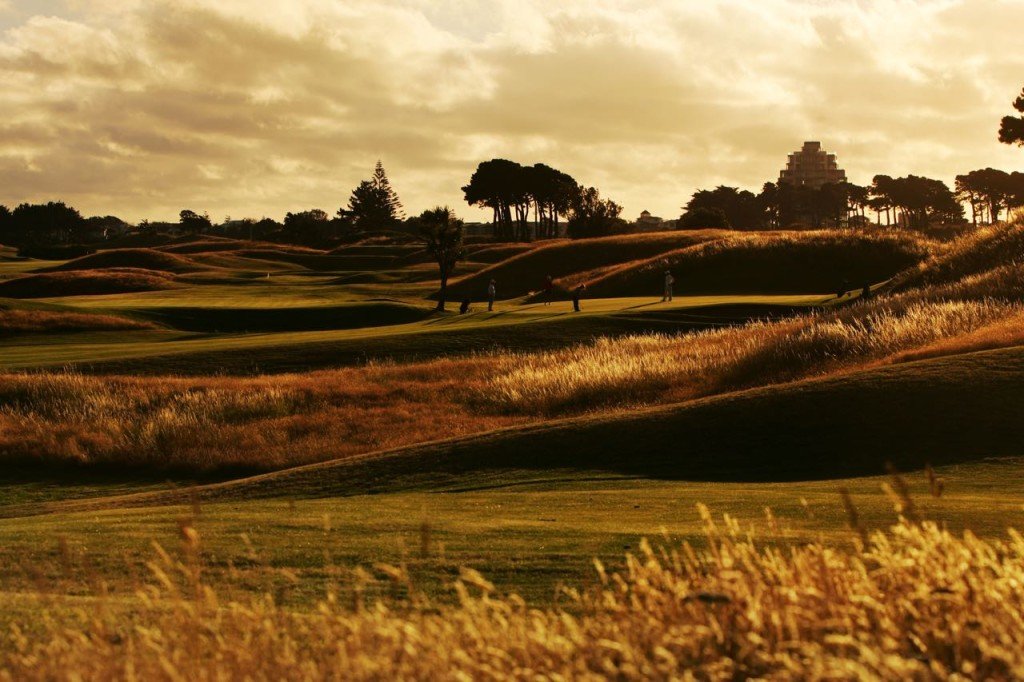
x=988, y=188
x=592, y=216
x=742, y=208
x=704, y=217
x=857, y=201
x=918, y=201
x=193, y=223
x=104, y=227
x=511, y=191
x=441, y=231
x=1011, y=130
x=5, y=225
x=314, y=224
x=497, y=184
x=552, y=192
x=44, y=224
x=967, y=192
x=374, y=204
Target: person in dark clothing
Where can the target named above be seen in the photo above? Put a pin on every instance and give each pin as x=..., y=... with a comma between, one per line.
x=865, y=293
x=576, y=293
x=549, y=288
x=492, y=291
x=844, y=289
x=464, y=308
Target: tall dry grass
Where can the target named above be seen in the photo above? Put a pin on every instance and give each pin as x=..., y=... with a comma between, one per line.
x=914, y=602
x=262, y=423
x=644, y=368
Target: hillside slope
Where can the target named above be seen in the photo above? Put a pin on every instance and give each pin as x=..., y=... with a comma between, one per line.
x=525, y=272
x=940, y=411
x=767, y=262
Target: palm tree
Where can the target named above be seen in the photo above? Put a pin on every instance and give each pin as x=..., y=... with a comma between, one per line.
x=441, y=231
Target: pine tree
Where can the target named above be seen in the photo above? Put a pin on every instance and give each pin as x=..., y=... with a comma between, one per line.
x=374, y=204
x=381, y=182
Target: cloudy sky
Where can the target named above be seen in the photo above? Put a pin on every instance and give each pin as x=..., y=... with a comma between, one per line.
x=242, y=108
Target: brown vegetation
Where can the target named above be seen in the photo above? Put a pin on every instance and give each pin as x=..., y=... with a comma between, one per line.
x=213, y=423
x=47, y=321
x=139, y=259
x=86, y=283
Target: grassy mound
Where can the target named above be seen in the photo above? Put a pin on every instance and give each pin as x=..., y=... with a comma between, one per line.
x=488, y=253
x=86, y=283
x=15, y=321
x=208, y=246
x=776, y=263
x=319, y=261
x=138, y=259
x=982, y=251
x=525, y=272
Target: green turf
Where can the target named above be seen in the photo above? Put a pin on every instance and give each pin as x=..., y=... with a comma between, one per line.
x=527, y=538
x=511, y=326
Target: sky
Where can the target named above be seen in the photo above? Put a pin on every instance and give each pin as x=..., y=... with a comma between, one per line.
x=249, y=109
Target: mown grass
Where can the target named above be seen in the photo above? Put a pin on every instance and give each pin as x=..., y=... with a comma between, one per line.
x=913, y=601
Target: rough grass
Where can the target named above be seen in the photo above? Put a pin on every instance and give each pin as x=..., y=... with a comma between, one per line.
x=986, y=249
x=13, y=322
x=86, y=283
x=140, y=259
x=914, y=602
x=765, y=262
x=217, y=423
x=669, y=368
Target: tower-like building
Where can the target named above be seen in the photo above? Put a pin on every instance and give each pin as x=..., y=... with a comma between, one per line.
x=812, y=167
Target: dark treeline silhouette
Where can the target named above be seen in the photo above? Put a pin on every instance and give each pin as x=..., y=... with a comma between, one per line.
x=911, y=202
x=515, y=192
x=512, y=191
x=989, y=192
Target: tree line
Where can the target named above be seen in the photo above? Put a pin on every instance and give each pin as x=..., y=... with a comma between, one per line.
x=911, y=202
x=512, y=191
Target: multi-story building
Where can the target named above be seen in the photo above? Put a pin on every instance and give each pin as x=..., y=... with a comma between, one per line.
x=812, y=167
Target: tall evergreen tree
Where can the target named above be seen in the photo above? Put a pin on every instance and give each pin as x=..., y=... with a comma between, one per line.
x=390, y=196
x=374, y=204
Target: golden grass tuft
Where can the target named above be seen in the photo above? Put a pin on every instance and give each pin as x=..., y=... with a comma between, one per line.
x=913, y=602
x=649, y=367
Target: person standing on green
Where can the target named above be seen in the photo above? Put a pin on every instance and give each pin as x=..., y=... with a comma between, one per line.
x=669, y=281
x=576, y=293
x=492, y=290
